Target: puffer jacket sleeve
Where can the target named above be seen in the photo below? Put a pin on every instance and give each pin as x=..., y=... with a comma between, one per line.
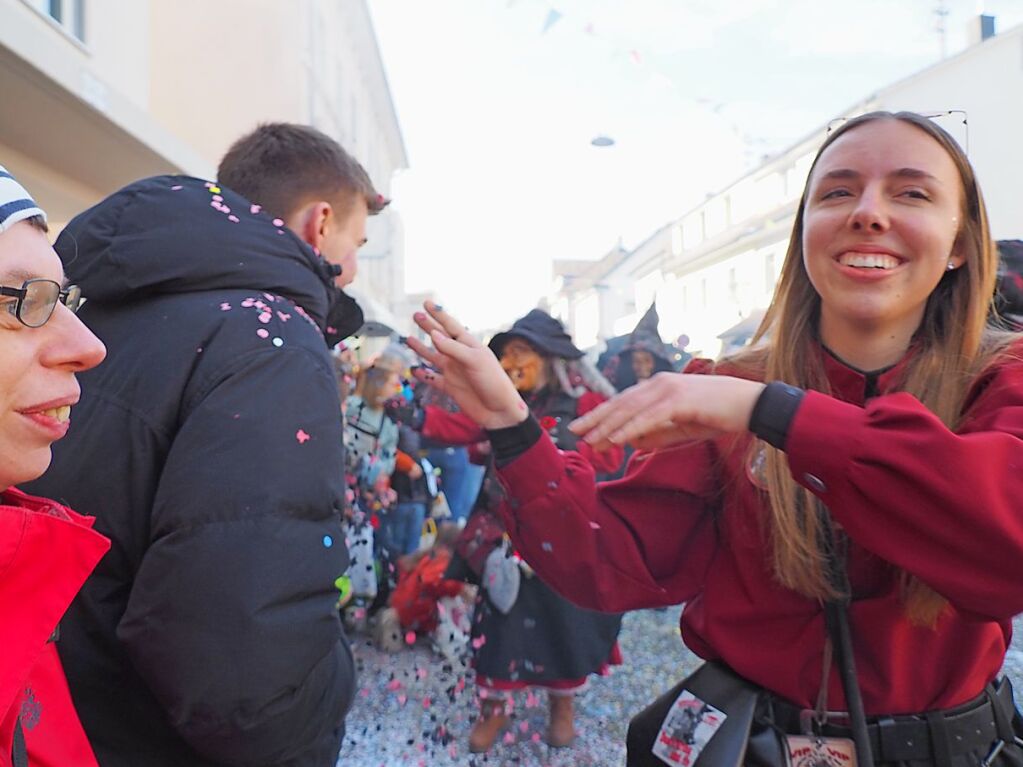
x=232, y=620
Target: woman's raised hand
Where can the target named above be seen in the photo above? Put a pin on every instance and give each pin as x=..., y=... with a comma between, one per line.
x=466, y=370
x=670, y=408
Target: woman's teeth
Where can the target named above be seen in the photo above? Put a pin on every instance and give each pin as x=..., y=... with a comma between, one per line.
x=869, y=260
x=61, y=413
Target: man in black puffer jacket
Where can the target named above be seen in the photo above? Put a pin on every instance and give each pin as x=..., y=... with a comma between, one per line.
x=209, y=448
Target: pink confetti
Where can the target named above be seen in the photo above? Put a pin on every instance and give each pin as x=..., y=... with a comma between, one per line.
x=394, y=684
x=426, y=702
x=509, y=737
x=269, y=296
x=402, y=699
x=177, y=188
x=302, y=437
x=523, y=726
x=283, y=316
x=254, y=209
x=594, y=525
x=208, y=185
x=214, y=204
x=248, y=302
x=233, y=218
x=218, y=198
x=364, y=692
x=536, y=737
x=410, y=637
x=278, y=222
x=225, y=307
x=224, y=209
x=478, y=642
x=421, y=673
x=263, y=333
x=265, y=317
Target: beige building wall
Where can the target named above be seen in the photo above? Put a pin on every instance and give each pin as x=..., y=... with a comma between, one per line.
x=217, y=69
x=165, y=86
x=74, y=125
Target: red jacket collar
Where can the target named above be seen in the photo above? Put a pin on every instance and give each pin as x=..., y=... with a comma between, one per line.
x=850, y=384
x=46, y=553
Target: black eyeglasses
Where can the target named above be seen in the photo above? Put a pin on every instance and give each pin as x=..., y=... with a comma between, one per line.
x=38, y=298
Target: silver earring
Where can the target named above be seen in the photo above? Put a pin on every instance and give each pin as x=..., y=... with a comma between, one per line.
x=950, y=266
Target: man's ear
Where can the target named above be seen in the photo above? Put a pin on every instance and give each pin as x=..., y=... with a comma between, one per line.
x=311, y=223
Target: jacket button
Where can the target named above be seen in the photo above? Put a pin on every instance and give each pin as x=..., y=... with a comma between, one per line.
x=815, y=483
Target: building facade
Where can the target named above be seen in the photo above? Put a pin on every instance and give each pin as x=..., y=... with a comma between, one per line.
x=713, y=270
x=99, y=93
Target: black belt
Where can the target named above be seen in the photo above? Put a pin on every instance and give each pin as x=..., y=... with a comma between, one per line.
x=977, y=726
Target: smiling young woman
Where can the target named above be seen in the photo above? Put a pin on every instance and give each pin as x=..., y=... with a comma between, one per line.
x=876, y=421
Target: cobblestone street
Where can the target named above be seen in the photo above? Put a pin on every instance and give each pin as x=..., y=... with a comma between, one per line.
x=412, y=710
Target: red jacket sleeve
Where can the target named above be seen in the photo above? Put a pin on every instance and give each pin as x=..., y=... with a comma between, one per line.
x=943, y=505
x=608, y=461
x=451, y=428
x=645, y=540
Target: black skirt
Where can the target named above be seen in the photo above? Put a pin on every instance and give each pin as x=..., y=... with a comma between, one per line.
x=544, y=638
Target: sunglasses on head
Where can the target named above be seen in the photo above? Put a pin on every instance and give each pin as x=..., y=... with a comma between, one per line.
x=37, y=298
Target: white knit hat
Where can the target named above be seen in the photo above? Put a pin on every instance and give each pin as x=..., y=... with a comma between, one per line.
x=16, y=204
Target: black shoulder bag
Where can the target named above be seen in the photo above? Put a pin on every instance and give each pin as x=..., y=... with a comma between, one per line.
x=685, y=726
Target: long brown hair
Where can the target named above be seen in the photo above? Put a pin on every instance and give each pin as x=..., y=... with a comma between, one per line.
x=953, y=344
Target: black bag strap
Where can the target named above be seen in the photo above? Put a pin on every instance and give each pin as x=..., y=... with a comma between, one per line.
x=836, y=618
x=19, y=753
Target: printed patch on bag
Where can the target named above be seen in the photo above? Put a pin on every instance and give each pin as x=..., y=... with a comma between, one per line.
x=687, y=728
x=806, y=751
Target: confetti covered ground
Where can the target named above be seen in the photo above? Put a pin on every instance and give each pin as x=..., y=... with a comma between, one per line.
x=413, y=709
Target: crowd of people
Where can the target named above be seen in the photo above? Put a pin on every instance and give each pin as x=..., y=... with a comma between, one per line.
x=835, y=505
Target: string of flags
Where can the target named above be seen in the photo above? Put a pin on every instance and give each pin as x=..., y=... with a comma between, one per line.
x=555, y=15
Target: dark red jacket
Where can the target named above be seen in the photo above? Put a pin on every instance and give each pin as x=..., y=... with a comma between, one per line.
x=46, y=553
x=459, y=429
x=686, y=524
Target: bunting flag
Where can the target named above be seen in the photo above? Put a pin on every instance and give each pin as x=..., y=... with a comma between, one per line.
x=553, y=17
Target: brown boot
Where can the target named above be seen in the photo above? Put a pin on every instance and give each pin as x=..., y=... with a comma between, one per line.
x=561, y=732
x=493, y=719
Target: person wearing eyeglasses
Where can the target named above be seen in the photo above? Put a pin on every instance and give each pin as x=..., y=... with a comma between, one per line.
x=46, y=550
x=860, y=459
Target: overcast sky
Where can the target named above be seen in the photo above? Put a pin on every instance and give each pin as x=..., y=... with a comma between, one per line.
x=498, y=116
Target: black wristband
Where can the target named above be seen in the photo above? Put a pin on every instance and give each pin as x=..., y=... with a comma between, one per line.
x=511, y=442
x=773, y=412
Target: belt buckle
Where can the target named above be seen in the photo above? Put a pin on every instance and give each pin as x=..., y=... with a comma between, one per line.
x=808, y=717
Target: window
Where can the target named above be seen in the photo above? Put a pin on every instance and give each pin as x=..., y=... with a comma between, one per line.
x=69, y=14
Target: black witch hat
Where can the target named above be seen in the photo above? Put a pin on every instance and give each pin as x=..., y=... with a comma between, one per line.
x=541, y=331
